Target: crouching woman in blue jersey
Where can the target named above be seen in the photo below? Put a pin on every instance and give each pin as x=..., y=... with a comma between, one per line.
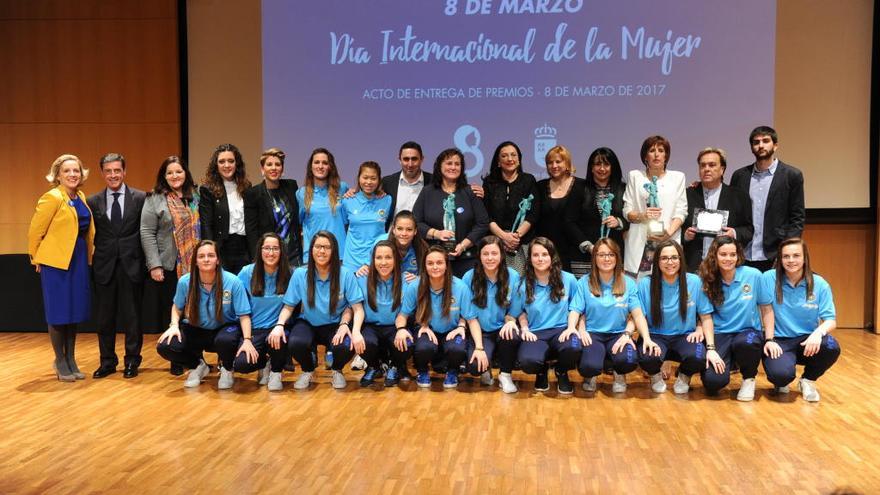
x=331, y=316
x=208, y=303
x=803, y=316
x=441, y=306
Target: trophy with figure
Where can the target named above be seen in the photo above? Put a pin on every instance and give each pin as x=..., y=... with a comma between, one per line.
x=655, y=225
x=449, y=222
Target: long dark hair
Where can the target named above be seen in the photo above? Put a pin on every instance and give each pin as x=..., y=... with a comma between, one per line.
x=479, y=282
x=424, y=310
x=312, y=271
x=396, y=277
x=214, y=181
x=619, y=285
x=557, y=288
x=375, y=168
x=780, y=270
x=162, y=187
x=709, y=272
x=657, y=283
x=418, y=244
x=282, y=275
x=495, y=166
x=194, y=293
x=437, y=178
x=332, y=181
x=604, y=155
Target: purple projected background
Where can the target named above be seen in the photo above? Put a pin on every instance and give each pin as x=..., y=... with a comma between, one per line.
x=351, y=77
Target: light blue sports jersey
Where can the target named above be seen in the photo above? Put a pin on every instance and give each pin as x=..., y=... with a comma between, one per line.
x=461, y=305
x=384, y=314
x=235, y=301
x=410, y=263
x=321, y=217
x=740, y=309
x=491, y=317
x=349, y=294
x=266, y=308
x=697, y=302
x=543, y=313
x=605, y=313
x=366, y=219
x=798, y=315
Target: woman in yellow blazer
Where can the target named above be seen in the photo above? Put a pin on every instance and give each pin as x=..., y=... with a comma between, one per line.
x=60, y=244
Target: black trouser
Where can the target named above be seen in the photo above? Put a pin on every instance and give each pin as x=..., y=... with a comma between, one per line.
x=229, y=341
x=158, y=298
x=187, y=351
x=379, y=341
x=781, y=371
x=234, y=253
x=119, y=304
x=493, y=344
x=304, y=337
x=762, y=265
x=744, y=347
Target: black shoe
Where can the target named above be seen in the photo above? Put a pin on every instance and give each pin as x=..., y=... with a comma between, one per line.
x=541, y=383
x=563, y=383
x=104, y=371
x=131, y=371
x=369, y=376
x=176, y=369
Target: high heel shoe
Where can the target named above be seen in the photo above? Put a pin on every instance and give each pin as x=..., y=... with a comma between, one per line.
x=61, y=376
x=74, y=370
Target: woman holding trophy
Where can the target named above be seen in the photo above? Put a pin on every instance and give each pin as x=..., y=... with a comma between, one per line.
x=655, y=204
x=449, y=214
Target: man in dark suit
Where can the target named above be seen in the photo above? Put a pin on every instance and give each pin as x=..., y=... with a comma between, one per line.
x=777, y=192
x=405, y=185
x=118, y=267
x=713, y=194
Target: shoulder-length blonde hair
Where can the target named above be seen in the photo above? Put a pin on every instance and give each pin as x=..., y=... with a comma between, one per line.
x=55, y=169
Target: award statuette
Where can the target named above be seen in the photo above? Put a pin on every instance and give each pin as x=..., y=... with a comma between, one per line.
x=711, y=222
x=449, y=221
x=605, y=211
x=655, y=226
x=524, y=206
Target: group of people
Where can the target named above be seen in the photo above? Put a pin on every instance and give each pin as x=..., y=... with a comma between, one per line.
x=590, y=273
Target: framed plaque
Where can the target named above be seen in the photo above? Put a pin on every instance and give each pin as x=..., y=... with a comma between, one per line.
x=712, y=222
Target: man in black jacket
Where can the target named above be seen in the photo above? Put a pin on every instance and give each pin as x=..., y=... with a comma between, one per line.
x=118, y=267
x=713, y=194
x=777, y=192
x=405, y=185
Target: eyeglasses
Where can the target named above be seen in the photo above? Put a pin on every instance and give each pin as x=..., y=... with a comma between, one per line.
x=271, y=249
x=670, y=259
x=321, y=247
x=607, y=256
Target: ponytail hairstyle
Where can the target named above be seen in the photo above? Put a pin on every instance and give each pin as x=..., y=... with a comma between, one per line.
x=194, y=293
x=780, y=270
x=418, y=244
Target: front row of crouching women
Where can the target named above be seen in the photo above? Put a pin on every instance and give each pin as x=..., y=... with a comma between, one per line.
x=706, y=323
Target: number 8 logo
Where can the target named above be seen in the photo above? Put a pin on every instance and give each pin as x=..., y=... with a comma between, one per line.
x=461, y=142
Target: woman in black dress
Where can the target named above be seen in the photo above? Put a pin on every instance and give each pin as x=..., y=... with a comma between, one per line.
x=554, y=194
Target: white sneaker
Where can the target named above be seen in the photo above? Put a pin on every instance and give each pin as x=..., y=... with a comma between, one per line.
x=338, y=379
x=589, y=385
x=195, y=377
x=619, y=385
x=781, y=390
x=658, y=386
x=274, y=382
x=506, y=383
x=486, y=378
x=682, y=384
x=263, y=374
x=808, y=390
x=358, y=363
x=226, y=379
x=304, y=380
x=747, y=390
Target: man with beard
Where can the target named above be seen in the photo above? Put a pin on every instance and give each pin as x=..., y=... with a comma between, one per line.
x=777, y=192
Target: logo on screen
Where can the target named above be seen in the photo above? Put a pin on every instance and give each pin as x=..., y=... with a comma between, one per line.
x=545, y=138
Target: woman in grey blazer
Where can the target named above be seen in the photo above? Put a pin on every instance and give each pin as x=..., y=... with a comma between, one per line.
x=169, y=234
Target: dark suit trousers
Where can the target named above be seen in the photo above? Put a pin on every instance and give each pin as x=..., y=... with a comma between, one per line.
x=119, y=303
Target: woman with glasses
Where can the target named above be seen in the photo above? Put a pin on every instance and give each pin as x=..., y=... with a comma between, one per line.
x=671, y=299
x=804, y=315
x=608, y=301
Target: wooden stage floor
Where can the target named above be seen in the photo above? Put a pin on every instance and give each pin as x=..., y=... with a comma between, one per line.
x=149, y=435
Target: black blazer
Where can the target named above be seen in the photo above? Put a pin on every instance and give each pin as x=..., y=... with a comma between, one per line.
x=551, y=220
x=471, y=219
x=260, y=219
x=390, y=184
x=214, y=217
x=123, y=244
x=784, y=212
x=583, y=221
x=739, y=207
